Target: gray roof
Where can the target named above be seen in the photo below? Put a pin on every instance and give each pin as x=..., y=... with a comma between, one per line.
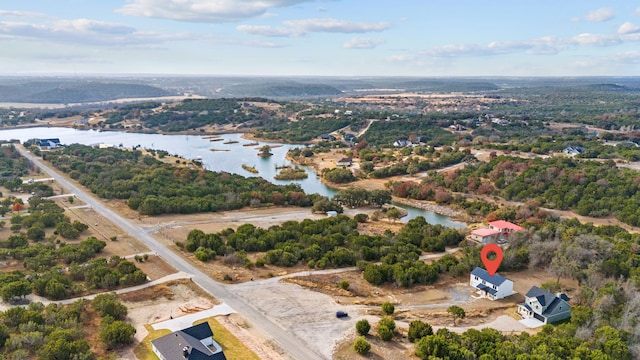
x=171, y=346
x=496, y=279
x=543, y=296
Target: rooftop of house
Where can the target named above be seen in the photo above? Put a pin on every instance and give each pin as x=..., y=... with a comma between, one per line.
x=501, y=224
x=496, y=279
x=485, y=232
x=189, y=341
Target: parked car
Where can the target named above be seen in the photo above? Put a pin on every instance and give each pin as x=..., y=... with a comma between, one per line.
x=341, y=314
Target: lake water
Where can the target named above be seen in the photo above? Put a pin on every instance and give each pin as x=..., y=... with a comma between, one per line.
x=227, y=157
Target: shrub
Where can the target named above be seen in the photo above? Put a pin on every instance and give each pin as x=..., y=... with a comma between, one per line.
x=419, y=329
x=388, y=323
x=361, y=346
x=363, y=327
x=385, y=333
x=344, y=284
x=388, y=308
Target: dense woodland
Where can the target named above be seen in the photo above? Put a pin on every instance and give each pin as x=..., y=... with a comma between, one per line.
x=590, y=188
x=36, y=245
x=152, y=187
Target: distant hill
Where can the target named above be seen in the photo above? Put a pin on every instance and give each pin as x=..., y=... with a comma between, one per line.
x=67, y=92
x=286, y=89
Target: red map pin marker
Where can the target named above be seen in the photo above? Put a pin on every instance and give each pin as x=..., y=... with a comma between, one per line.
x=491, y=265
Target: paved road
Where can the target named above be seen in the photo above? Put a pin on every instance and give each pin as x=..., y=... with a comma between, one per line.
x=290, y=343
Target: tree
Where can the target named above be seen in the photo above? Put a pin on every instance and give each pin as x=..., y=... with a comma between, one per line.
x=14, y=289
x=456, y=312
x=108, y=305
x=379, y=197
x=361, y=346
x=419, y=329
x=116, y=333
x=388, y=308
x=393, y=214
x=363, y=327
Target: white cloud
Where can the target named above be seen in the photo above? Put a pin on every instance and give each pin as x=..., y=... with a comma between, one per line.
x=596, y=39
x=294, y=28
x=92, y=26
x=336, y=26
x=85, y=32
x=598, y=15
x=548, y=45
x=628, y=28
x=268, y=30
x=637, y=12
x=21, y=14
x=362, y=43
x=205, y=11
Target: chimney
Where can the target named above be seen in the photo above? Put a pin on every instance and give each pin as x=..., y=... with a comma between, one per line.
x=185, y=352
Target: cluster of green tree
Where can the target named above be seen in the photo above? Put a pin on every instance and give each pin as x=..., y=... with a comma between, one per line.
x=193, y=113
x=561, y=342
x=12, y=167
x=335, y=242
x=305, y=129
x=587, y=187
x=45, y=277
x=620, y=147
x=354, y=197
x=605, y=110
x=152, y=187
x=384, y=133
x=291, y=173
x=413, y=165
x=58, y=332
x=45, y=214
x=338, y=175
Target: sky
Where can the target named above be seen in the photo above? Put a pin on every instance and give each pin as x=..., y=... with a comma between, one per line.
x=423, y=38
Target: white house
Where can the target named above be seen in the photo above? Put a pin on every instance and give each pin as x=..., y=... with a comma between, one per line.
x=492, y=287
x=484, y=235
x=542, y=305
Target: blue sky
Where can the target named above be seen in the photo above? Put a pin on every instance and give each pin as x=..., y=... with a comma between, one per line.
x=322, y=37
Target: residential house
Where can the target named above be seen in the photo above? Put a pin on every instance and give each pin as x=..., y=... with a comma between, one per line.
x=48, y=144
x=492, y=287
x=484, y=236
x=542, y=305
x=344, y=162
x=349, y=137
x=193, y=343
x=402, y=143
x=573, y=150
x=326, y=137
x=505, y=228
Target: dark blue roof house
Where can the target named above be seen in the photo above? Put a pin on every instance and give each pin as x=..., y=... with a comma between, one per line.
x=193, y=343
x=542, y=305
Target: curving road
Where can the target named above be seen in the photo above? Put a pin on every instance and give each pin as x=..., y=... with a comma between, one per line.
x=293, y=346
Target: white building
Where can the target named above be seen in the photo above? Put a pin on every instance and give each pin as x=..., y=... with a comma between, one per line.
x=492, y=287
